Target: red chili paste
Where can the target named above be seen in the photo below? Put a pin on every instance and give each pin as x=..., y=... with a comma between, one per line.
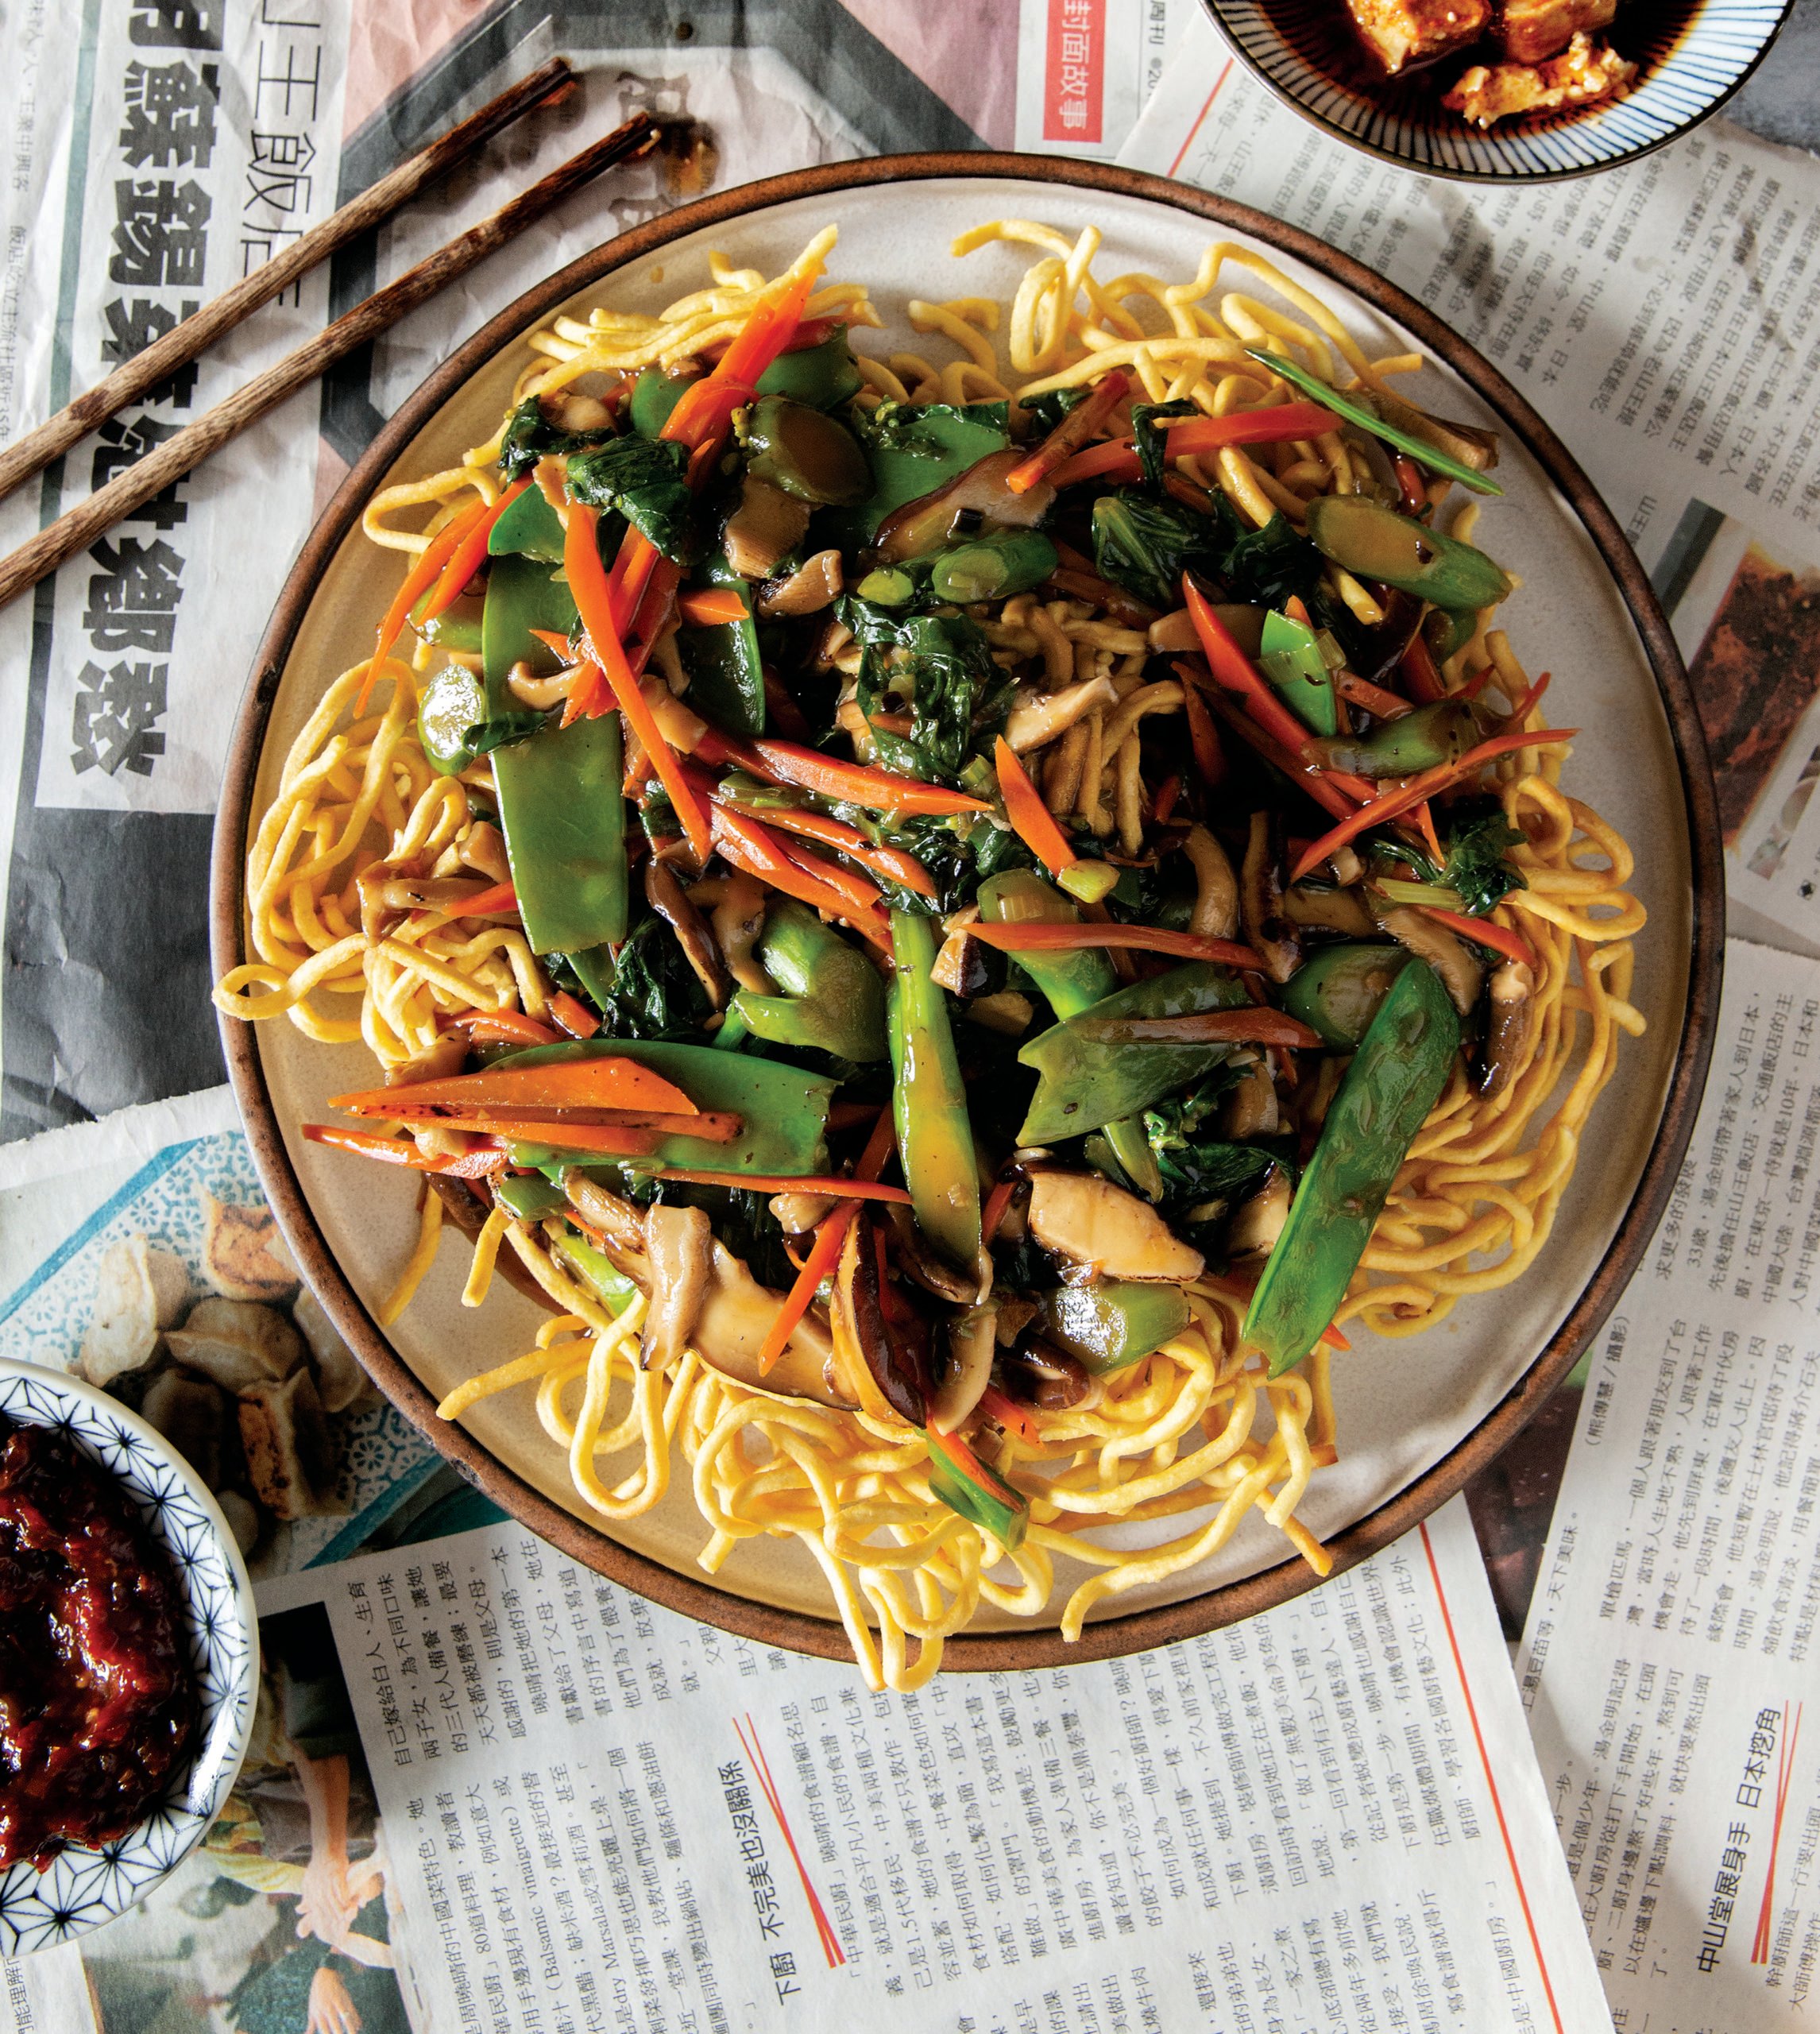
x=98, y=1702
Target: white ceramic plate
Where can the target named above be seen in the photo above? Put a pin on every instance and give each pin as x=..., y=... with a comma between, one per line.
x=1404, y=1406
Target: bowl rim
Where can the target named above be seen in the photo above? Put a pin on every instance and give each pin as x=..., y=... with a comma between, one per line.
x=238, y=1701
x=767, y=1624
x=1216, y=12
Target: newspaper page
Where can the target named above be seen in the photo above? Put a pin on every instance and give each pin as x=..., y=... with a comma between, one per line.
x=1661, y=317
x=159, y=149
x=1670, y=1652
x=141, y=1253
x=1087, y=69
x=595, y=1814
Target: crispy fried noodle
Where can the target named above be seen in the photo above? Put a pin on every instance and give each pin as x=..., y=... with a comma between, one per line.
x=364, y=864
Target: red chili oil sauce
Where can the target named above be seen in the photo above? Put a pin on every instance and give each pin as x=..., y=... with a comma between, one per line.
x=98, y=1702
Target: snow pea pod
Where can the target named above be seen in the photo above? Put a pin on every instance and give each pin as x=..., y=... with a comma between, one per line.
x=935, y=1138
x=1396, y=1076
x=1072, y=982
x=560, y=803
x=1289, y=655
x=823, y=377
x=1340, y=991
x=834, y=999
x=529, y=528
x=1375, y=543
x=1087, y=1083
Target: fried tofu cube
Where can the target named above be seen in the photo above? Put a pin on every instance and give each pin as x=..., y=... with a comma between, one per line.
x=1531, y=29
x=1405, y=35
x=1583, y=73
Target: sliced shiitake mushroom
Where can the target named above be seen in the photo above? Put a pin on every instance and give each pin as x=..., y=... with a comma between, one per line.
x=927, y=524
x=972, y=1343
x=1509, y=1003
x=1462, y=976
x=1268, y=929
x=679, y=1242
x=668, y=899
x=1091, y=1222
x=765, y=527
x=882, y=1342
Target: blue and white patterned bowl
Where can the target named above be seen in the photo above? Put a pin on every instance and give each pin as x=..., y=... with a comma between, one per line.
x=1691, y=63
x=81, y=1888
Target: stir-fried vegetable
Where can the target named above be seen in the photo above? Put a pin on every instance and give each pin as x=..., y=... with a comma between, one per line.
x=935, y=1137
x=1396, y=1078
x=848, y=666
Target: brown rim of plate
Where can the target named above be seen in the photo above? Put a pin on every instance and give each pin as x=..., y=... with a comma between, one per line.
x=1104, y=1638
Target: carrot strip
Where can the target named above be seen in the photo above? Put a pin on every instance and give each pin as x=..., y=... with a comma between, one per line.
x=824, y=1254
x=1417, y=666
x=851, y=783
x=1483, y=932
x=1425, y=820
x=1118, y=459
x=1113, y=459
x=491, y=903
x=1204, y=739
x=574, y=1017
x=422, y=576
x=593, y=1081
x=1171, y=787
x=467, y=557
x=588, y=582
x=1373, y=698
x=608, y=1140
x=1081, y=423
x=707, y=607
x=404, y=1151
x=1030, y=817
x=862, y=896
x=754, y=847
x=1333, y=1338
x=892, y=864
x=1530, y=700
x=1234, y=670
x=993, y=1213
x=1033, y=936
x=1389, y=804
x=826, y=1183
x=1319, y=785
x=1010, y=1415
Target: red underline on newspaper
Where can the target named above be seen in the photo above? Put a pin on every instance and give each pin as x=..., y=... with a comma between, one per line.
x=824, y=1927
x=1498, y=1805
x=1199, y=117
x=1784, y=1774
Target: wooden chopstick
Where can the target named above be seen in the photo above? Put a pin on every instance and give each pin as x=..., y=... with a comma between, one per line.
x=151, y=474
x=186, y=342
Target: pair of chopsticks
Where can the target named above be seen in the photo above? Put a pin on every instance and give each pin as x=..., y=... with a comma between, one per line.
x=183, y=343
